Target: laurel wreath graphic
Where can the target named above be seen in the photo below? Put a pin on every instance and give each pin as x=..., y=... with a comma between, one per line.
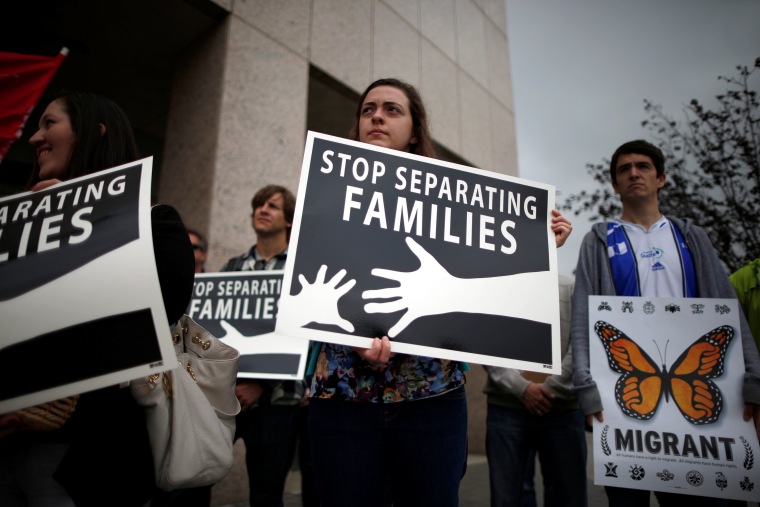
x=605, y=446
x=749, y=456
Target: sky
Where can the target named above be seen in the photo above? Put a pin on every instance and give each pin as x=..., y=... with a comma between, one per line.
x=581, y=70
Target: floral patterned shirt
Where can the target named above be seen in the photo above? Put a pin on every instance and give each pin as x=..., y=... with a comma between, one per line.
x=341, y=374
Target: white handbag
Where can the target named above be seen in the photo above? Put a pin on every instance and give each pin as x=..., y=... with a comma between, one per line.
x=191, y=418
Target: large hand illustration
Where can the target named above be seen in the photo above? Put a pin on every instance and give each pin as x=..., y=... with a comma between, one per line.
x=431, y=290
x=318, y=301
x=421, y=292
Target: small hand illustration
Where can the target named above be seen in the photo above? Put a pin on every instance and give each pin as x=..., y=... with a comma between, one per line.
x=421, y=292
x=318, y=301
x=266, y=343
x=233, y=337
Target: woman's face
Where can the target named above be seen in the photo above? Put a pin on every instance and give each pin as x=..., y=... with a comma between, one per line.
x=385, y=119
x=54, y=141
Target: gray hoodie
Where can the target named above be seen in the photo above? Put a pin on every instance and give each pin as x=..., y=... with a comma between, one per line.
x=594, y=277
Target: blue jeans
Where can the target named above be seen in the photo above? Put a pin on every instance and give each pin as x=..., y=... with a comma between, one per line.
x=411, y=453
x=560, y=442
x=270, y=434
x=529, y=486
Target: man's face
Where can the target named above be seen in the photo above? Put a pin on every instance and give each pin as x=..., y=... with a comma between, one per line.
x=637, y=178
x=269, y=218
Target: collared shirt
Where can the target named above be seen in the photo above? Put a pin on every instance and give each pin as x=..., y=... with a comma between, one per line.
x=255, y=262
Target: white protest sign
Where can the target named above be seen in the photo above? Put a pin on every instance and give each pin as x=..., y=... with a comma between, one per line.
x=670, y=373
x=448, y=261
x=241, y=309
x=80, y=300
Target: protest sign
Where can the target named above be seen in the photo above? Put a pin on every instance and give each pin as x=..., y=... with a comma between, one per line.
x=448, y=261
x=80, y=300
x=670, y=373
x=241, y=309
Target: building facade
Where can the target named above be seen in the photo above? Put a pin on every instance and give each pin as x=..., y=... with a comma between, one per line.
x=244, y=96
x=222, y=92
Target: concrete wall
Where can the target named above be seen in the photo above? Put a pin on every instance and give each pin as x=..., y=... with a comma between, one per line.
x=238, y=112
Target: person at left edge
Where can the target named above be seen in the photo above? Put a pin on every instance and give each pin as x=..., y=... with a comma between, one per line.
x=268, y=421
x=200, y=249
x=101, y=455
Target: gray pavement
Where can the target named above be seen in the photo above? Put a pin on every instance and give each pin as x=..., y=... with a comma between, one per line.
x=474, y=490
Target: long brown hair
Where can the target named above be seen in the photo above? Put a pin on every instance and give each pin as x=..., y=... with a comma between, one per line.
x=94, y=151
x=420, y=128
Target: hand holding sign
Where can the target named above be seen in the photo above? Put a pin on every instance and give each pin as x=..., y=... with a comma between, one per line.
x=318, y=302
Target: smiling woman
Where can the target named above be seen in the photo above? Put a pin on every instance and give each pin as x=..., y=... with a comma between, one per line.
x=81, y=134
x=54, y=141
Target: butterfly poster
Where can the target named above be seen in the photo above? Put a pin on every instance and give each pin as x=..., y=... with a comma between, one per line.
x=670, y=374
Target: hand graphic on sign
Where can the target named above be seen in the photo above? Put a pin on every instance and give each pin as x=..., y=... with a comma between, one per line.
x=431, y=290
x=318, y=302
x=414, y=291
x=233, y=337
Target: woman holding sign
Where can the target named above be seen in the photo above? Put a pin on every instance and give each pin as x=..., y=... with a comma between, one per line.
x=400, y=435
x=101, y=454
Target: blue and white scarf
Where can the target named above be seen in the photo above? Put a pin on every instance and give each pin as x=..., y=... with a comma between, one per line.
x=625, y=271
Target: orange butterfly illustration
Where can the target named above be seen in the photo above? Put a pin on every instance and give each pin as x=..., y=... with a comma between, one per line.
x=640, y=387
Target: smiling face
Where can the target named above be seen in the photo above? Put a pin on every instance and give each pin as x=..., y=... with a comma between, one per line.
x=385, y=119
x=637, y=178
x=54, y=141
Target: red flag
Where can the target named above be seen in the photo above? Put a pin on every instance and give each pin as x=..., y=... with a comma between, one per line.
x=23, y=79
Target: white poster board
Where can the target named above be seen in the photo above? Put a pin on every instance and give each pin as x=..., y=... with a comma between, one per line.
x=80, y=300
x=448, y=261
x=670, y=373
x=241, y=309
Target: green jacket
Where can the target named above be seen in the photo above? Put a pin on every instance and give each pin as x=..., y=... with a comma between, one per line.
x=745, y=282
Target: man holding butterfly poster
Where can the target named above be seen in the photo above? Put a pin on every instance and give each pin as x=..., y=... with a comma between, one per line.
x=645, y=254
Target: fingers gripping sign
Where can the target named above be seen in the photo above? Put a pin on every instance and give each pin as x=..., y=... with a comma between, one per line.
x=561, y=227
x=318, y=301
x=379, y=352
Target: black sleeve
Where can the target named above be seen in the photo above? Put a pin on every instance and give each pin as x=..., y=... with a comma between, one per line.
x=175, y=262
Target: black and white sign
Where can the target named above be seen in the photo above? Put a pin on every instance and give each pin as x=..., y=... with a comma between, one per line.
x=80, y=301
x=670, y=373
x=448, y=261
x=241, y=308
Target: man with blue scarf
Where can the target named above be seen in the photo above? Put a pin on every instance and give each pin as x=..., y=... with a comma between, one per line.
x=644, y=253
